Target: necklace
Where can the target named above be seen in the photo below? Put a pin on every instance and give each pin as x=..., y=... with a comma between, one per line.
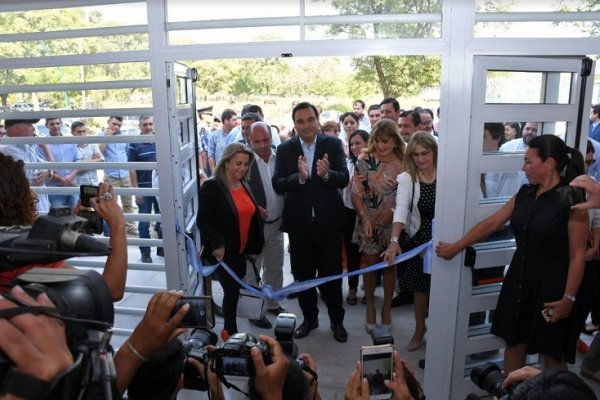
x=428, y=181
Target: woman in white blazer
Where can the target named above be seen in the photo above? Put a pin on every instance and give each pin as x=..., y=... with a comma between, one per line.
x=414, y=213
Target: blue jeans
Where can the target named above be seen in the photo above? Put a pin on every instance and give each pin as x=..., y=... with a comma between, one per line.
x=143, y=226
x=62, y=200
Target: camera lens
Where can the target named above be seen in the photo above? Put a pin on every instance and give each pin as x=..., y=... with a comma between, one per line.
x=489, y=377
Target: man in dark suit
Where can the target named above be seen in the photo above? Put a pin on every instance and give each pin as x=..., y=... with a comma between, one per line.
x=310, y=169
x=594, y=128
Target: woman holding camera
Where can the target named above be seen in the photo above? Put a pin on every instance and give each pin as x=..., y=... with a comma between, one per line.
x=230, y=224
x=535, y=310
x=18, y=207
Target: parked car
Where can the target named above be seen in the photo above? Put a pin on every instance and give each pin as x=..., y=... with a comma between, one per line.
x=22, y=106
x=330, y=115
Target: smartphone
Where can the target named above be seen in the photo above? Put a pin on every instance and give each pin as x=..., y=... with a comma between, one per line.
x=378, y=365
x=94, y=223
x=86, y=192
x=200, y=314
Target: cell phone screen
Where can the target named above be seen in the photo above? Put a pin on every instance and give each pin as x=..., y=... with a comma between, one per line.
x=199, y=315
x=86, y=192
x=377, y=367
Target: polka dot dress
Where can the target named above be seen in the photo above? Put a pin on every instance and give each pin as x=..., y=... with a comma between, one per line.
x=413, y=279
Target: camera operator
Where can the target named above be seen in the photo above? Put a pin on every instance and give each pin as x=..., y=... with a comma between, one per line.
x=593, y=190
x=311, y=380
x=153, y=332
x=551, y=384
x=37, y=345
x=151, y=362
x=358, y=387
x=17, y=207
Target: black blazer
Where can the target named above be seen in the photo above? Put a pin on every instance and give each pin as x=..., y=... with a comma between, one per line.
x=219, y=223
x=256, y=185
x=324, y=197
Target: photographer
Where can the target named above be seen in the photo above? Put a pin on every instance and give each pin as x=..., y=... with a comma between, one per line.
x=358, y=387
x=593, y=190
x=37, y=346
x=17, y=207
x=551, y=384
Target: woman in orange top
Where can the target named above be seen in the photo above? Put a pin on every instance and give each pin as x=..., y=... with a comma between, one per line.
x=230, y=224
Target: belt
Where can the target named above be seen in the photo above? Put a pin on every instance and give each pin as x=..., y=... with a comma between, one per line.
x=273, y=220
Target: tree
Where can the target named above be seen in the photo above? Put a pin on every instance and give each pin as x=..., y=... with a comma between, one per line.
x=395, y=75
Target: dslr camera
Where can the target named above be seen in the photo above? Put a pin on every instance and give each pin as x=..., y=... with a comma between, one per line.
x=489, y=377
x=234, y=358
x=195, y=347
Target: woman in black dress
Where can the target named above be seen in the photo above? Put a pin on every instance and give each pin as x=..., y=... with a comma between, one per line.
x=535, y=310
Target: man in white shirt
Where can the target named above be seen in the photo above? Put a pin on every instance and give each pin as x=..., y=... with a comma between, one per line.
x=510, y=182
x=363, y=121
x=270, y=205
x=28, y=154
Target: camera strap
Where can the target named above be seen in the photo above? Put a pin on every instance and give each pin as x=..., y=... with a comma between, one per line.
x=256, y=274
x=24, y=385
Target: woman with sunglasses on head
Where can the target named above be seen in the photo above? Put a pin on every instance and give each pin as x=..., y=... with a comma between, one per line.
x=374, y=195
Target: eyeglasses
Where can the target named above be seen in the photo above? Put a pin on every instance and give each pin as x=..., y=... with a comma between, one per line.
x=590, y=162
x=421, y=154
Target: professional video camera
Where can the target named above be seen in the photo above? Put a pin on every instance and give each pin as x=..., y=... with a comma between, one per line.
x=489, y=377
x=83, y=302
x=82, y=299
x=52, y=237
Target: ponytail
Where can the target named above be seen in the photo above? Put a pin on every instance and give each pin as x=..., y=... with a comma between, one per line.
x=574, y=165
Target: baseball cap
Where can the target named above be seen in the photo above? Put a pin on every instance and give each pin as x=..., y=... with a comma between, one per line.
x=10, y=122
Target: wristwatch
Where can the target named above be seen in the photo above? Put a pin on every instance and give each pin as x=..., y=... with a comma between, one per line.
x=326, y=177
x=394, y=239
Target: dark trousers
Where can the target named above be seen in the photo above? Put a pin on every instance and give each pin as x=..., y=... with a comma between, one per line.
x=231, y=290
x=144, y=226
x=319, y=253
x=352, y=250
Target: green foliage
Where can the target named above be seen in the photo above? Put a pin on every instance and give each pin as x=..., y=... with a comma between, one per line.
x=65, y=19
x=395, y=76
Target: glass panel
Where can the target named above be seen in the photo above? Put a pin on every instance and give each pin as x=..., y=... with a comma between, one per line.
x=537, y=29
x=62, y=47
x=61, y=19
x=515, y=87
x=373, y=31
x=206, y=10
x=370, y=7
x=234, y=35
x=80, y=99
x=532, y=5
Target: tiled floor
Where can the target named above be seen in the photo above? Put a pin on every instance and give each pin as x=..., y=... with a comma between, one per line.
x=335, y=360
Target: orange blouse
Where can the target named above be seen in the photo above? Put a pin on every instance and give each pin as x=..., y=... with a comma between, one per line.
x=245, y=209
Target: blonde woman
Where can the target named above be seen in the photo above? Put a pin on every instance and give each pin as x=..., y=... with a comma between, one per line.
x=374, y=197
x=230, y=225
x=415, y=210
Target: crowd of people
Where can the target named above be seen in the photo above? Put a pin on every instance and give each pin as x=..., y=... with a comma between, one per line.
x=361, y=189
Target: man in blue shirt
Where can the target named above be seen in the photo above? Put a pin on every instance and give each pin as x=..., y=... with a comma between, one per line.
x=220, y=138
x=117, y=152
x=144, y=152
x=61, y=152
x=594, y=128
